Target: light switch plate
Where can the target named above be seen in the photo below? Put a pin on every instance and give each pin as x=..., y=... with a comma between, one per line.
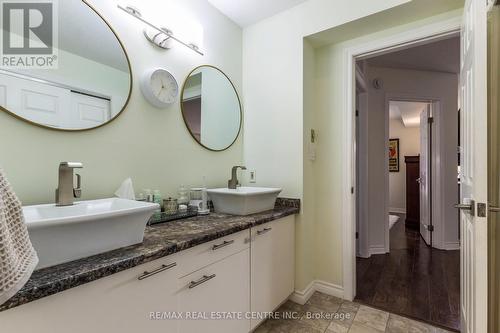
x=253, y=176
x=312, y=152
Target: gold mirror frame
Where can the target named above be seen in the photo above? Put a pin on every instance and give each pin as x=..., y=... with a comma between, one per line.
x=185, y=120
x=103, y=124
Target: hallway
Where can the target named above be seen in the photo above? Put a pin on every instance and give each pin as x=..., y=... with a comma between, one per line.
x=412, y=280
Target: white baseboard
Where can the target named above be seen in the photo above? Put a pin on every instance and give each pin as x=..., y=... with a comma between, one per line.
x=449, y=246
x=329, y=289
x=371, y=251
x=397, y=210
x=377, y=250
x=362, y=252
x=302, y=296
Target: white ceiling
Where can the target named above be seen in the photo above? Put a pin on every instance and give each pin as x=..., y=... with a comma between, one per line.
x=410, y=11
x=407, y=112
x=83, y=32
x=441, y=56
x=248, y=12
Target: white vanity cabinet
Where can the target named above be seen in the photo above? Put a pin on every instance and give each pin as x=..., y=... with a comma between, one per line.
x=213, y=288
x=272, y=265
x=218, y=295
x=117, y=303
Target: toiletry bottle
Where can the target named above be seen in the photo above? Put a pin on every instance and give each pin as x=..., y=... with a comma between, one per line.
x=183, y=196
x=149, y=195
x=157, y=199
x=204, y=210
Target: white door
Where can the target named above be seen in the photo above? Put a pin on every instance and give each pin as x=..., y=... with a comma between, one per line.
x=212, y=298
x=473, y=160
x=88, y=111
x=272, y=265
x=37, y=102
x=424, y=175
x=494, y=166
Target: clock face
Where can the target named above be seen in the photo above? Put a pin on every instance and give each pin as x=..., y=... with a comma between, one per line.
x=160, y=88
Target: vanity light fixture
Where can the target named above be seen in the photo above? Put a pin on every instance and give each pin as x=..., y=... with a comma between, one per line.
x=158, y=35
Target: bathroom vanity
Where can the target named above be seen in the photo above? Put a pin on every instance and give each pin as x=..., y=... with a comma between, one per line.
x=215, y=273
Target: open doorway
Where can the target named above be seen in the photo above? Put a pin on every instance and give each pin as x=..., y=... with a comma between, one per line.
x=408, y=151
x=408, y=258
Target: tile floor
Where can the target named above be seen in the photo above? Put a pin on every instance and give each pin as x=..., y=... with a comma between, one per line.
x=328, y=314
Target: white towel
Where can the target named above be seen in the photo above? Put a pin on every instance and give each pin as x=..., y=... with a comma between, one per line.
x=18, y=258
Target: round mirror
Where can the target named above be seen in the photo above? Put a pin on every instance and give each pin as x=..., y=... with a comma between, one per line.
x=80, y=78
x=211, y=108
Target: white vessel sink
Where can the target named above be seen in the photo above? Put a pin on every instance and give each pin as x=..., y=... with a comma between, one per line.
x=62, y=234
x=243, y=200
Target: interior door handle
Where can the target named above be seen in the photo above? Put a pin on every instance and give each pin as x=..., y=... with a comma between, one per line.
x=463, y=206
x=493, y=209
x=467, y=207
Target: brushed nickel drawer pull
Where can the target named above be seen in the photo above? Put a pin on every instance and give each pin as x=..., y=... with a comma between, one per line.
x=156, y=271
x=225, y=243
x=263, y=231
x=204, y=279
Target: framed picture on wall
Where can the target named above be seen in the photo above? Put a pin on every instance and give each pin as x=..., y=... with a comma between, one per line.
x=393, y=155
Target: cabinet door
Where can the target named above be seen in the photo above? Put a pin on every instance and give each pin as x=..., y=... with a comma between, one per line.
x=117, y=303
x=223, y=287
x=272, y=265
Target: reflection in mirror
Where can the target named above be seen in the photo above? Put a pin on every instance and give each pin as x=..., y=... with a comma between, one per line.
x=91, y=84
x=211, y=108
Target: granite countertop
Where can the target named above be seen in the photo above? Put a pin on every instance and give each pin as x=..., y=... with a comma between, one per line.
x=160, y=240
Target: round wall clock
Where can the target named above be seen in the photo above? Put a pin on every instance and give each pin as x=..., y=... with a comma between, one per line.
x=159, y=87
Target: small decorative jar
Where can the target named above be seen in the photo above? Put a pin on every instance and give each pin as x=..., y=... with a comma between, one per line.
x=170, y=206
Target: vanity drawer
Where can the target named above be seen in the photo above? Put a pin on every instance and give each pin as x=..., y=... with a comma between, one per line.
x=205, y=254
x=122, y=302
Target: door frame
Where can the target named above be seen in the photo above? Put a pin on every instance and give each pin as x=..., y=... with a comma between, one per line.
x=397, y=41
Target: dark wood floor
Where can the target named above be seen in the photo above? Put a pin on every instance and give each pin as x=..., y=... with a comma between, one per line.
x=412, y=280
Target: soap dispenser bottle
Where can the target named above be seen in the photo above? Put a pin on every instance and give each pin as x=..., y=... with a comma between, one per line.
x=157, y=199
x=183, y=196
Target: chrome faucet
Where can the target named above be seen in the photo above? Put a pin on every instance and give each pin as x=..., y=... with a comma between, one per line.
x=65, y=193
x=233, y=183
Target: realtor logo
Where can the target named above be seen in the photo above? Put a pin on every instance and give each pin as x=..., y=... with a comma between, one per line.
x=29, y=34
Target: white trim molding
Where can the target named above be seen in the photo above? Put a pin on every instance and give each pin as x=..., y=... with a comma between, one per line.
x=451, y=246
x=397, y=210
x=302, y=296
x=378, y=250
x=416, y=36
